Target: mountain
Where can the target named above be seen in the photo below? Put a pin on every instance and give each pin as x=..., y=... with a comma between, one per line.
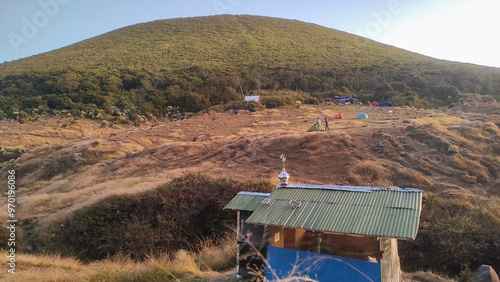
x=195, y=63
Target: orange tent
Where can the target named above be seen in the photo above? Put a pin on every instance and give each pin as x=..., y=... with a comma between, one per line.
x=338, y=116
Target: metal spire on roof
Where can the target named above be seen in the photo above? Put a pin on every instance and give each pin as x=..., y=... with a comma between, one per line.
x=283, y=176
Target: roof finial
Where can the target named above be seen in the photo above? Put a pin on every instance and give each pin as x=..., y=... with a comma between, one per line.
x=283, y=159
x=283, y=176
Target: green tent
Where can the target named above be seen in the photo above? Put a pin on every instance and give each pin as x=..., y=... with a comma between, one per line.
x=315, y=128
x=361, y=115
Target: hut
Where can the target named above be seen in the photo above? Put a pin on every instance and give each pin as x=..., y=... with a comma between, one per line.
x=327, y=232
x=252, y=98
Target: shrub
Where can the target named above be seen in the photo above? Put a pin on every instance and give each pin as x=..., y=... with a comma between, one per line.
x=251, y=106
x=69, y=162
x=170, y=217
x=455, y=234
x=311, y=101
x=105, y=123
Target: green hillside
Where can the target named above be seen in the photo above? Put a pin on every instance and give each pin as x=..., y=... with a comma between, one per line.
x=195, y=63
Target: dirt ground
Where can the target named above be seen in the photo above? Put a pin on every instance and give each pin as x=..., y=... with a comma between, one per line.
x=406, y=148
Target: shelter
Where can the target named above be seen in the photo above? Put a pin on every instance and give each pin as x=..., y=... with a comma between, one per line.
x=347, y=101
x=338, y=116
x=252, y=98
x=236, y=112
x=374, y=103
x=361, y=115
x=329, y=233
x=252, y=239
x=315, y=127
x=386, y=104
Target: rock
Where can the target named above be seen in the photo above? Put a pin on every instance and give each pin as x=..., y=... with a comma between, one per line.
x=485, y=273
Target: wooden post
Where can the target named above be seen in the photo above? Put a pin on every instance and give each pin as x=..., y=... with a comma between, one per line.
x=318, y=242
x=238, y=231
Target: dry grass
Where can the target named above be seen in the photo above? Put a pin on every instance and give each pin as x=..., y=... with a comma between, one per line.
x=425, y=277
x=164, y=151
x=182, y=265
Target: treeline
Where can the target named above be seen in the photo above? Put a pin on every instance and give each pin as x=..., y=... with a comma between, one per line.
x=139, y=94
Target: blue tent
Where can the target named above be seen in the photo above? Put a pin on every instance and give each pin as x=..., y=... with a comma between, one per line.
x=362, y=115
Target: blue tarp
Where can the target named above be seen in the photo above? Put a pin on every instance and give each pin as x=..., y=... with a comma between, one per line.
x=283, y=263
x=345, y=100
x=386, y=104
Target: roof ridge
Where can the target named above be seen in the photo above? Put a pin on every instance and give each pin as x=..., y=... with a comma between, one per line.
x=362, y=189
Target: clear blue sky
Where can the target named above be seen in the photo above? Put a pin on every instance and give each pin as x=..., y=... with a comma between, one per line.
x=456, y=30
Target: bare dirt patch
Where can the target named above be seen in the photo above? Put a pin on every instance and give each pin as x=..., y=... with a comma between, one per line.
x=65, y=169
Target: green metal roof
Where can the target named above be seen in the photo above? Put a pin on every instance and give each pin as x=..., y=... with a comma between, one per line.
x=343, y=209
x=246, y=201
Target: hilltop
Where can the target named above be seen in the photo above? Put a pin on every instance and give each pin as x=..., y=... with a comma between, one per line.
x=195, y=63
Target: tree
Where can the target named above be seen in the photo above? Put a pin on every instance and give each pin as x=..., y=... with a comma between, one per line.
x=67, y=82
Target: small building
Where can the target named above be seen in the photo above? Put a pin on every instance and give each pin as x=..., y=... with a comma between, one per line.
x=252, y=98
x=325, y=232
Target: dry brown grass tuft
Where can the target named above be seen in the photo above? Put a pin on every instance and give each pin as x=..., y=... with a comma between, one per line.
x=370, y=171
x=182, y=265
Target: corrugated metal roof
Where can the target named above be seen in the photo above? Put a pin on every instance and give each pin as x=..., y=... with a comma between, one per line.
x=368, y=211
x=246, y=201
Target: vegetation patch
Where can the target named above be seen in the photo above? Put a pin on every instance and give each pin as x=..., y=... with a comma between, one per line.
x=176, y=215
x=455, y=234
x=69, y=162
x=195, y=63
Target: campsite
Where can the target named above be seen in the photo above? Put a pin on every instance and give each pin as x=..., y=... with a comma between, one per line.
x=123, y=153
x=407, y=148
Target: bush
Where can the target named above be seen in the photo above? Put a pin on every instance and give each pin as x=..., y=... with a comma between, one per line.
x=69, y=162
x=173, y=216
x=281, y=99
x=455, y=234
x=454, y=149
x=311, y=101
x=244, y=105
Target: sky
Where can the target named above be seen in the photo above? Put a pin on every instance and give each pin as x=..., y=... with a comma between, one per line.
x=454, y=30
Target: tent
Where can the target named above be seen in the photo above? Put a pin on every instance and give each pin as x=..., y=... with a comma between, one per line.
x=386, y=104
x=374, y=103
x=236, y=112
x=338, y=116
x=347, y=101
x=313, y=127
x=361, y=115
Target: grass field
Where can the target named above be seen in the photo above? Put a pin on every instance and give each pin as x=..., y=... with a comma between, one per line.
x=65, y=169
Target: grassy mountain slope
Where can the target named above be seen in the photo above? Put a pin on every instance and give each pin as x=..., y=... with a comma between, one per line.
x=222, y=42
x=195, y=63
